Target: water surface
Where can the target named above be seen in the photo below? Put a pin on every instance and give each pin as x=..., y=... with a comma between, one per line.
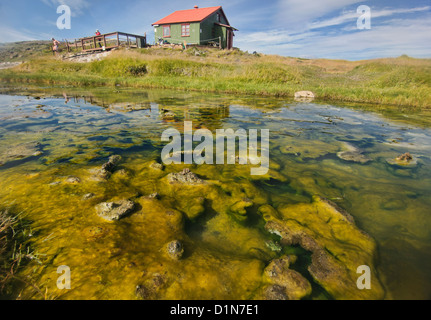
x=79, y=129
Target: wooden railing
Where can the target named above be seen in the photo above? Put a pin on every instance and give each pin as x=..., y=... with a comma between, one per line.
x=106, y=42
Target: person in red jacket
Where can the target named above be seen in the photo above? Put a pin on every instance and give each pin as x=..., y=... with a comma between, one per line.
x=99, y=40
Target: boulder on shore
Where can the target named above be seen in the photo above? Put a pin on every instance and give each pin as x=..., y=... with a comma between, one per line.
x=304, y=96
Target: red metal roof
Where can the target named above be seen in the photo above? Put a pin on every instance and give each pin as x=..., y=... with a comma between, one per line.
x=192, y=15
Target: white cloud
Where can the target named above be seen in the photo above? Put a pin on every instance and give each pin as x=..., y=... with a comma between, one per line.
x=12, y=35
x=353, y=15
x=76, y=6
x=8, y=34
x=297, y=14
x=394, y=38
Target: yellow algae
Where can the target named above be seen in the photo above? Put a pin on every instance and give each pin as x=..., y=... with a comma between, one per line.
x=227, y=251
x=291, y=284
x=308, y=148
x=337, y=245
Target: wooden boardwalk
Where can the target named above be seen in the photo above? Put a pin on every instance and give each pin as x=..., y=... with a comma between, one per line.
x=106, y=41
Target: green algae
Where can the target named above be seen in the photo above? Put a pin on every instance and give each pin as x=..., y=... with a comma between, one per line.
x=328, y=232
x=220, y=223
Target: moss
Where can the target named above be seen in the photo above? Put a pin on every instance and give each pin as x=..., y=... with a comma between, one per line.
x=338, y=247
x=398, y=82
x=224, y=257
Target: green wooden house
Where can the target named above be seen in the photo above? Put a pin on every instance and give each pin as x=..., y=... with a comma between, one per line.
x=198, y=26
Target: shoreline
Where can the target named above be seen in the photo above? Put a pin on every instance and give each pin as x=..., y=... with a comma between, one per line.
x=397, y=82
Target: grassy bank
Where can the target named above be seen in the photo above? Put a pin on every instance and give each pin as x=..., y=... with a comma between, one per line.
x=402, y=81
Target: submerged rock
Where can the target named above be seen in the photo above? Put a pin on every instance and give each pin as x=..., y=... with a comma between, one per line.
x=273, y=246
x=156, y=166
x=73, y=180
x=353, y=154
x=336, y=245
x=150, y=289
x=295, y=286
x=405, y=157
x=185, y=177
x=175, y=250
x=107, y=168
x=94, y=233
x=274, y=292
x=154, y=195
x=111, y=164
x=168, y=115
x=88, y=196
x=404, y=160
x=20, y=151
x=113, y=211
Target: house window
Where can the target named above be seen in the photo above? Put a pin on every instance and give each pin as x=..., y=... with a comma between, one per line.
x=185, y=30
x=166, y=31
x=218, y=17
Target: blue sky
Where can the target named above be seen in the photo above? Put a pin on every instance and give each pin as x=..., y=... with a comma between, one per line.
x=299, y=28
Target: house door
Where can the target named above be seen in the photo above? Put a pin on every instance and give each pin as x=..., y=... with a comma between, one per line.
x=229, y=36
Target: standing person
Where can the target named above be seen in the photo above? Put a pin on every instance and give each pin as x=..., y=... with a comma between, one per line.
x=55, y=45
x=99, y=40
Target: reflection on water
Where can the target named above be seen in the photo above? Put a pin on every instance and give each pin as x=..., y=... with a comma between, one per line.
x=78, y=132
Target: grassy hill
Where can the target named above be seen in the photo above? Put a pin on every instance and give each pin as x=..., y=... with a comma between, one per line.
x=23, y=51
x=402, y=81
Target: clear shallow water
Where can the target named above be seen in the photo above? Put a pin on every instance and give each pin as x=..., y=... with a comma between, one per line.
x=389, y=201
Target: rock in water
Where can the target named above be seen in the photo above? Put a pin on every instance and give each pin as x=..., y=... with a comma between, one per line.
x=175, y=249
x=88, y=196
x=156, y=166
x=112, y=163
x=406, y=157
x=73, y=180
x=293, y=284
x=275, y=292
x=107, y=168
x=113, y=211
x=184, y=177
x=337, y=246
x=353, y=154
x=150, y=289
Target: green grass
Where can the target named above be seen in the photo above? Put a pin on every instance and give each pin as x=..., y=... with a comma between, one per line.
x=401, y=81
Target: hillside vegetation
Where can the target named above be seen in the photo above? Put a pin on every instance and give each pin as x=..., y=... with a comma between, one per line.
x=402, y=81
